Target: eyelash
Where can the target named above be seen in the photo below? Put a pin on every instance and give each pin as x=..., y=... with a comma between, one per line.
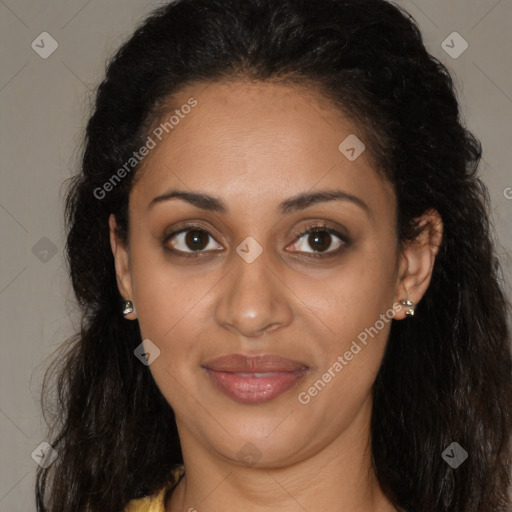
x=317, y=228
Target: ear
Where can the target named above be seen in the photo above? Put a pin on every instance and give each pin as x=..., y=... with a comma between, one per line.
x=122, y=265
x=417, y=261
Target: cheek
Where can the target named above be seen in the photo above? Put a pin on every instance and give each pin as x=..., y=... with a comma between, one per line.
x=352, y=297
x=356, y=308
x=162, y=294
x=171, y=314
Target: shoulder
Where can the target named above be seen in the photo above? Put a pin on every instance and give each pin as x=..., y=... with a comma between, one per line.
x=154, y=503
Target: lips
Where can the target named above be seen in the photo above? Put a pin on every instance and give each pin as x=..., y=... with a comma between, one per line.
x=253, y=379
x=238, y=363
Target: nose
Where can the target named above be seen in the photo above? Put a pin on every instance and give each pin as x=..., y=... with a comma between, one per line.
x=253, y=299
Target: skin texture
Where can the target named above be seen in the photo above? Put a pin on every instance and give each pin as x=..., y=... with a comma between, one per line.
x=253, y=146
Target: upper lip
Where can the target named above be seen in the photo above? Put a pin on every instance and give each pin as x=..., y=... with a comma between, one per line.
x=239, y=363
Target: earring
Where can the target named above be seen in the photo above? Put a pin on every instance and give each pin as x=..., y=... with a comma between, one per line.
x=127, y=307
x=410, y=305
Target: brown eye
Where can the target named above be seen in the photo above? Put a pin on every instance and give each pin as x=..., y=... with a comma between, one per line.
x=321, y=239
x=190, y=240
x=196, y=240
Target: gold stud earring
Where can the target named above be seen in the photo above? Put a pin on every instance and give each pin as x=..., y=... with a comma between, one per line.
x=410, y=305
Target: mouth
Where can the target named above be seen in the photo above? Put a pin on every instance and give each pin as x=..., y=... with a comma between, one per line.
x=254, y=379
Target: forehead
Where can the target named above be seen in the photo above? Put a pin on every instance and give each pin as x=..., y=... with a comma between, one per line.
x=257, y=141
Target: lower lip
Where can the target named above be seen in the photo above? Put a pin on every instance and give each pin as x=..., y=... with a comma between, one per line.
x=249, y=389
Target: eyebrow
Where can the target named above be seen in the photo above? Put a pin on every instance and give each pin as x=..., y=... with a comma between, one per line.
x=293, y=204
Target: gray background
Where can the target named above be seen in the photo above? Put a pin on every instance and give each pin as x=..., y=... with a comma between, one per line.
x=44, y=105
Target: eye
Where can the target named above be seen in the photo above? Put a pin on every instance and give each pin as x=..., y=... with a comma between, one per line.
x=191, y=241
x=320, y=238
x=194, y=238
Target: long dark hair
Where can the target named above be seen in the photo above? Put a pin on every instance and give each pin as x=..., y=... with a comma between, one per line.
x=447, y=373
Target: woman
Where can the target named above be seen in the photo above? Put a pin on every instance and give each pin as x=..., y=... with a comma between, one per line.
x=290, y=295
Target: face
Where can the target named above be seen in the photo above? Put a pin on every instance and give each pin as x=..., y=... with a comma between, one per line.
x=238, y=273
